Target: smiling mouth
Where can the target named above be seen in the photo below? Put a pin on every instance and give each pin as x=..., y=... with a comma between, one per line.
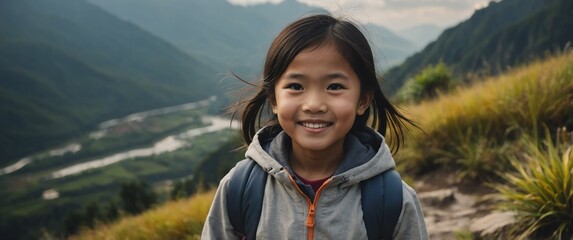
x=314, y=125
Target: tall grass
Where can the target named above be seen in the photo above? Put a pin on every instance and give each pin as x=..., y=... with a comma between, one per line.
x=181, y=219
x=540, y=191
x=471, y=128
x=460, y=127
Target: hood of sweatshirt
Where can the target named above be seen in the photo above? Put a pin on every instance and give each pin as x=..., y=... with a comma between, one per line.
x=366, y=155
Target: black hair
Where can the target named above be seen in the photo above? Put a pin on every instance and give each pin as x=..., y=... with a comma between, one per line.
x=314, y=31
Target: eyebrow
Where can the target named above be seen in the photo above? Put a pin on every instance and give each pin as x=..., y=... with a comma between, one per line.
x=335, y=75
x=299, y=76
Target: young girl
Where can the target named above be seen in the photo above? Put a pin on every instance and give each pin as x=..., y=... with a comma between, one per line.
x=325, y=136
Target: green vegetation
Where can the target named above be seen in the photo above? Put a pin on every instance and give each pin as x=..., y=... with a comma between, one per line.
x=24, y=212
x=182, y=219
x=427, y=84
x=183, y=189
x=122, y=137
x=501, y=36
x=472, y=126
x=231, y=37
x=93, y=214
x=540, y=190
x=60, y=78
x=479, y=131
x=235, y=38
x=136, y=197
x=474, y=130
x=219, y=162
x=464, y=235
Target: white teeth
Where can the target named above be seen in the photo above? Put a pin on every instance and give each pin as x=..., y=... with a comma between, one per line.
x=315, y=125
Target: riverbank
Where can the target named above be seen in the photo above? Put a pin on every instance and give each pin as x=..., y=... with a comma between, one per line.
x=157, y=148
x=112, y=125
x=167, y=144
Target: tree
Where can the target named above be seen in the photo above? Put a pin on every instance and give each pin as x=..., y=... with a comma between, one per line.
x=136, y=197
x=182, y=189
x=92, y=214
x=112, y=212
x=73, y=222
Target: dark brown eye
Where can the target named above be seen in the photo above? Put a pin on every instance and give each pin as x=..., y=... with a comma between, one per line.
x=295, y=86
x=335, y=86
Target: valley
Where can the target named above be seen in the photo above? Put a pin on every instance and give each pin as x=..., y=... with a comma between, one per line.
x=97, y=95
x=157, y=146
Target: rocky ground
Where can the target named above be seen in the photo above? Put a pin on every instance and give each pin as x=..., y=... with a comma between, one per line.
x=457, y=210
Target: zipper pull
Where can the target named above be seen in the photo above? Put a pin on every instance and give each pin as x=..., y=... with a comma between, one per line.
x=310, y=219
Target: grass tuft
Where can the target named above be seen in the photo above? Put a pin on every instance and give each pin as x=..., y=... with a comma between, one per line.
x=182, y=219
x=540, y=190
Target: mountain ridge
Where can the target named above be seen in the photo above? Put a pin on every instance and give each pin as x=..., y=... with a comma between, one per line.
x=65, y=66
x=248, y=30
x=463, y=43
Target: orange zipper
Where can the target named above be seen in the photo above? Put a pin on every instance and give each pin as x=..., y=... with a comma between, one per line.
x=311, y=206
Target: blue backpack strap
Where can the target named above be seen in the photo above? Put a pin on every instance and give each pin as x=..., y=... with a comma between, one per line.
x=245, y=198
x=381, y=204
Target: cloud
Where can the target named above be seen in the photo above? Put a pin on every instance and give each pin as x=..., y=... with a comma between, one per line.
x=253, y=2
x=396, y=14
x=345, y=4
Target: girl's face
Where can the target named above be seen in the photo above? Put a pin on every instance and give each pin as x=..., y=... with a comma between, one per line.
x=317, y=99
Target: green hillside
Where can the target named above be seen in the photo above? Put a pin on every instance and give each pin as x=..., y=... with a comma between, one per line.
x=215, y=165
x=66, y=65
x=234, y=38
x=546, y=30
x=471, y=132
x=502, y=35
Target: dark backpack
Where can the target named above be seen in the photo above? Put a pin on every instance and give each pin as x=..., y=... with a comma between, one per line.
x=381, y=201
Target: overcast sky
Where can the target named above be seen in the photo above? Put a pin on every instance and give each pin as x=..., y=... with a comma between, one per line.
x=395, y=14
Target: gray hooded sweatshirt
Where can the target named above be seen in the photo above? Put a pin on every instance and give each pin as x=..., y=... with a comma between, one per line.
x=292, y=210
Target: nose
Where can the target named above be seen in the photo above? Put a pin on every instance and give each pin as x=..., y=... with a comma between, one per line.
x=314, y=103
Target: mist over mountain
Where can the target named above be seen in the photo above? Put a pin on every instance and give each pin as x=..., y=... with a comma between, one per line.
x=230, y=37
x=66, y=65
x=502, y=35
x=420, y=35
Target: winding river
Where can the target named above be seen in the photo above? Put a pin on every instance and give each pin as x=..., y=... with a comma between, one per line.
x=167, y=144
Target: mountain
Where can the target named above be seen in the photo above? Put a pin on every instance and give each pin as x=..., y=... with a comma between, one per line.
x=420, y=35
x=67, y=65
x=502, y=35
x=388, y=48
x=229, y=37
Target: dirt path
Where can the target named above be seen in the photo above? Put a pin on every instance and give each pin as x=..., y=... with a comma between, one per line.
x=452, y=209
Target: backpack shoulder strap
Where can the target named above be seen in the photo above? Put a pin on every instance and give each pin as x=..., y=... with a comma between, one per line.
x=382, y=204
x=245, y=198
